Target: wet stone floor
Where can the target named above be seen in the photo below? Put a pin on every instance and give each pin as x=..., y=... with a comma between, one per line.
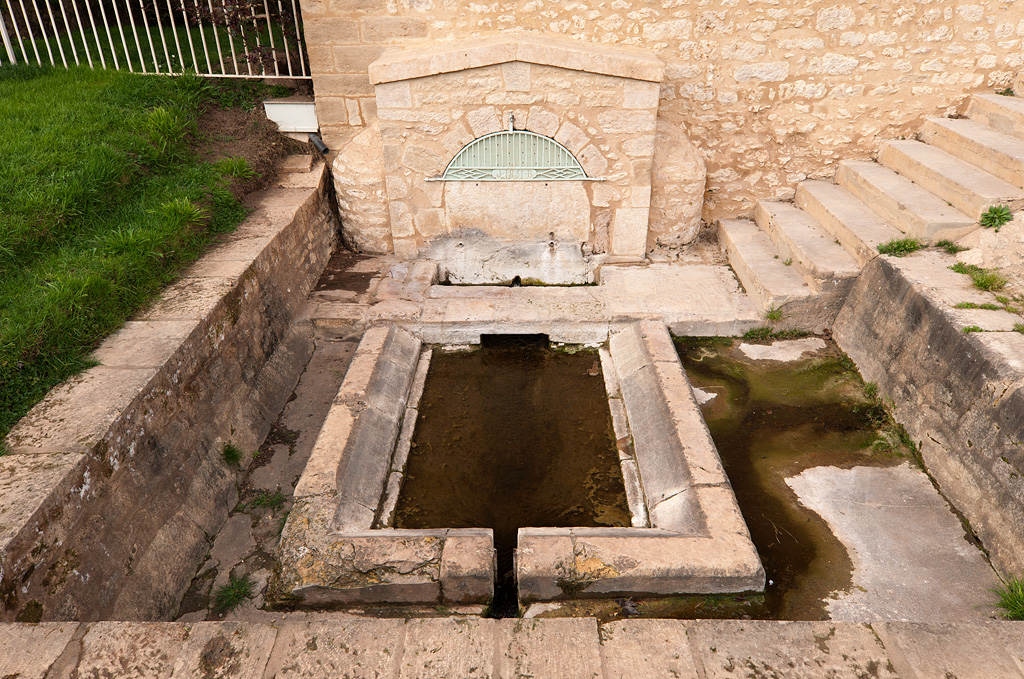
x=847, y=523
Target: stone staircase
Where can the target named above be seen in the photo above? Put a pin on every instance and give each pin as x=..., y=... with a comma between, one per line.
x=798, y=260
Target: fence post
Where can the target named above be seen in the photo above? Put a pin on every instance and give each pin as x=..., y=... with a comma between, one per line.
x=7, y=39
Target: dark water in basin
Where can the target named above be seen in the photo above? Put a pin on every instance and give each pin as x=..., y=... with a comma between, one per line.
x=513, y=435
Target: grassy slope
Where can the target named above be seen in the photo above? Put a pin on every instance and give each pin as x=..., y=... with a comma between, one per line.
x=101, y=204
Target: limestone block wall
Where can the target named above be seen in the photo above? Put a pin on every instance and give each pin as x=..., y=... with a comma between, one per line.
x=770, y=93
x=608, y=123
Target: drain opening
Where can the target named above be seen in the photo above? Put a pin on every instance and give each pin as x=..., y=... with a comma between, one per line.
x=513, y=435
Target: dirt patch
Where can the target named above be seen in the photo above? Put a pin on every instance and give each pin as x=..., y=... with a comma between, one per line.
x=230, y=132
x=338, y=275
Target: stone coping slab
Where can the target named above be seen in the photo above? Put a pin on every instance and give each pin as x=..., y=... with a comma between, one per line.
x=697, y=541
x=526, y=47
x=479, y=648
x=330, y=551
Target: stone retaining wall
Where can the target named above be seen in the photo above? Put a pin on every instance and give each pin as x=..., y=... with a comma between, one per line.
x=115, y=481
x=960, y=395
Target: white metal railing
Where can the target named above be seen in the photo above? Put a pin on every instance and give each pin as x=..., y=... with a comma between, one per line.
x=219, y=38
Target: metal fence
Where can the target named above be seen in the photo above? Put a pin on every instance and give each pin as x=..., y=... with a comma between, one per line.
x=219, y=38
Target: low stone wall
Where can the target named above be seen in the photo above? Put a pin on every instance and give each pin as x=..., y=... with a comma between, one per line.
x=960, y=395
x=116, y=479
x=697, y=541
x=329, y=552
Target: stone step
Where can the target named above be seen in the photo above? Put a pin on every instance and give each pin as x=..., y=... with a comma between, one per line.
x=846, y=217
x=813, y=251
x=754, y=259
x=1005, y=114
x=968, y=188
x=993, y=151
x=901, y=202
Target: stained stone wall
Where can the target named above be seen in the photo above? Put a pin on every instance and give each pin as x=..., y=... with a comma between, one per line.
x=770, y=93
x=600, y=104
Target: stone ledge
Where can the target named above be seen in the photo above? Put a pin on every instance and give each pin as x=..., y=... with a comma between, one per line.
x=526, y=47
x=329, y=555
x=566, y=648
x=699, y=542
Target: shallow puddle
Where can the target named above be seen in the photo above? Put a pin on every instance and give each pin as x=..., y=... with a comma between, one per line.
x=771, y=420
x=512, y=435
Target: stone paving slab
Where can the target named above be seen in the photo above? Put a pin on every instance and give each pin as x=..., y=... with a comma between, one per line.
x=480, y=648
x=28, y=651
x=911, y=559
x=788, y=649
x=964, y=651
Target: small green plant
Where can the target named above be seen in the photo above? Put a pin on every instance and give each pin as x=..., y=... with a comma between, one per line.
x=788, y=261
x=983, y=279
x=971, y=305
x=267, y=500
x=972, y=328
x=901, y=247
x=228, y=597
x=1008, y=92
x=763, y=333
x=181, y=212
x=773, y=314
x=1011, y=598
x=235, y=166
x=871, y=390
x=950, y=247
x=1018, y=327
x=995, y=217
x=231, y=453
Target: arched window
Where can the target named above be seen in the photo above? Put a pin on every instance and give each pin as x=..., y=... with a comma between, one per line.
x=513, y=155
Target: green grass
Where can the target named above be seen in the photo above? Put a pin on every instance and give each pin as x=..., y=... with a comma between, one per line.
x=901, y=247
x=950, y=247
x=983, y=279
x=971, y=305
x=102, y=203
x=995, y=217
x=973, y=328
x=773, y=314
x=231, y=453
x=228, y=597
x=766, y=333
x=1018, y=327
x=1011, y=598
x=1008, y=92
x=267, y=500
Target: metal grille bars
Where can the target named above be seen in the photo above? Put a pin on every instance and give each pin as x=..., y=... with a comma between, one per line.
x=218, y=38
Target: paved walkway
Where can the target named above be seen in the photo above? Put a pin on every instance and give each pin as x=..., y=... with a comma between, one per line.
x=474, y=648
x=696, y=299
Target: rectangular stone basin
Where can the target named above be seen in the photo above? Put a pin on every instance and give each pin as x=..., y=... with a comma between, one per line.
x=686, y=533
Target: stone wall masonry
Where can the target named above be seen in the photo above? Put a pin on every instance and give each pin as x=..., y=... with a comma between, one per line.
x=960, y=395
x=600, y=103
x=577, y=648
x=115, y=480
x=770, y=93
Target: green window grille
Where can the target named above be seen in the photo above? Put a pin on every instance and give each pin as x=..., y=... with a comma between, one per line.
x=513, y=155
